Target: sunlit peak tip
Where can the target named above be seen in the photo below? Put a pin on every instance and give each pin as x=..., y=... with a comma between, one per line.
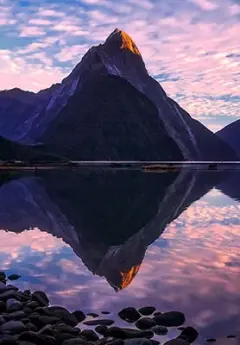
x=124, y=40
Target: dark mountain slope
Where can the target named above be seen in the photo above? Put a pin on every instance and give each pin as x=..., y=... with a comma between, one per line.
x=231, y=135
x=110, y=120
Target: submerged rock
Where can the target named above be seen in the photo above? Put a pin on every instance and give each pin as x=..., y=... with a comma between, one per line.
x=145, y=323
x=105, y=322
x=160, y=330
x=80, y=316
x=129, y=314
x=189, y=334
x=147, y=310
x=14, y=277
x=170, y=319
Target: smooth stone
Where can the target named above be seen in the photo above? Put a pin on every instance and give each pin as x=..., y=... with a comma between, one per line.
x=25, y=320
x=41, y=298
x=147, y=310
x=89, y=335
x=62, y=328
x=99, y=322
x=157, y=313
x=25, y=343
x=155, y=342
x=9, y=340
x=116, y=342
x=4, y=296
x=189, y=334
x=48, y=320
x=31, y=327
x=27, y=310
x=13, y=305
x=14, y=277
x=2, y=276
x=170, y=319
x=46, y=330
x=176, y=342
x=160, y=330
x=17, y=315
x=13, y=326
x=129, y=314
x=27, y=292
x=231, y=336
x=2, y=320
x=32, y=304
x=76, y=341
x=104, y=312
x=127, y=333
x=2, y=306
x=63, y=314
x=61, y=337
x=38, y=339
x=138, y=341
x=92, y=314
x=80, y=316
x=211, y=340
x=145, y=323
x=103, y=330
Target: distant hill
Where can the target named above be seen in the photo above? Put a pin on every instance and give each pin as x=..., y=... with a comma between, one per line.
x=231, y=135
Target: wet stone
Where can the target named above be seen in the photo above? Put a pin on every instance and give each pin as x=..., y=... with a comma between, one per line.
x=101, y=329
x=62, y=328
x=41, y=298
x=147, y=310
x=89, y=335
x=160, y=330
x=157, y=313
x=13, y=326
x=189, y=334
x=170, y=319
x=92, y=314
x=48, y=320
x=145, y=323
x=80, y=316
x=63, y=314
x=14, y=277
x=13, y=305
x=36, y=338
x=129, y=314
x=105, y=322
x=140, y=341
x=32, y=304
x=76, y=341
x=126, y=333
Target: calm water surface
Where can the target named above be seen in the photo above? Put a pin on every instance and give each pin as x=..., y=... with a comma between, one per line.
x=102, y=240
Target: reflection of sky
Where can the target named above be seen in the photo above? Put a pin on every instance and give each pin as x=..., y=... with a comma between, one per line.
x=190, y=46
x=193, y=267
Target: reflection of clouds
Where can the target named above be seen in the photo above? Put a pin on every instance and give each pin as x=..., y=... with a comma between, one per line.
x=197, y=272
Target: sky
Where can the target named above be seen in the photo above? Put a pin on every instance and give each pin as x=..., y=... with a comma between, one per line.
x=191, y=47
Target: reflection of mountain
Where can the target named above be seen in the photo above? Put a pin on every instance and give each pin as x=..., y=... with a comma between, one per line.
x=231, y=185
x=108, y=217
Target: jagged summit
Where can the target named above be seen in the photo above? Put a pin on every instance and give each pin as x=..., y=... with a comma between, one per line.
x=122, y=40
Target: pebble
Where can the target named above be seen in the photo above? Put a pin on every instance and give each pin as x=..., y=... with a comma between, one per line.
x=80, y=316
x=189, y=334
x=211, y=340
x=147, y=310
x=105, y=322
x=170, y=319
x=32, y=304
x=13, y=326
x=13, y=305
x=41, y=298
x=160, y=330
x=89, y=335
x=62, y=328
x=14, y=277
x=176, y=342
x=92, y=314
x=129, y=314
x=76, y=341
x=103, y=330
x=145, y=323
x=48, y=320
x=140, y=341
x=4, y=296
x=64, y=315
x=126, y=333
x=36, y=338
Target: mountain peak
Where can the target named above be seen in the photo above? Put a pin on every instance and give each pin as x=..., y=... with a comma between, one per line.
x=123, y=41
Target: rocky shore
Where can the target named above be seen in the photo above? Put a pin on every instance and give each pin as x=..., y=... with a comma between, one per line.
x=28, y=318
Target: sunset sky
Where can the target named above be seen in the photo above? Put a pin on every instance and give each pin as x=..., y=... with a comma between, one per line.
x=190, y=46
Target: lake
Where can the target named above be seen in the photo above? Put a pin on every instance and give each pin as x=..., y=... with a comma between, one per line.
x=103, y=239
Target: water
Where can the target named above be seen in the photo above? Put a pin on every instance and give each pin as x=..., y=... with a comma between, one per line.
x=105, y=239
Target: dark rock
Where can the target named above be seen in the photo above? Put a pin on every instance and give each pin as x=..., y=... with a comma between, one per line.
x=129, y=314
x=64, y=315
x=2, y=276
x=138, y=341
x=116, y=342
x=48, y=320
x=181, y=328
x=2, y=320
x=13, y=305
x=147, y=310
x=89, y=335
x=27, y=292
x=62, y=328
x=76, y=341
x=27, y=310
x=155, y=342
x=8, y=340
x=33, y=304
x=31, y=327
x=92, y=314
x=36, y=338
x=61, y=337
x=157, y=313
x=4, y=296
x=13, y=326
x=145, y=323
x=231, y=336
x=211, y=340
x=18, y=315
x=80, y=316
x=160, y=330
x=105, y=322
x=41, y=298
x=25, y=343
x=189, y=334
x=170, y=319
x=105, y=312
x=126, y=333
x=176, y=342
x=14, y=277
x=25, y=320
x=2, y=306
x=47, y=330
x=103, y=330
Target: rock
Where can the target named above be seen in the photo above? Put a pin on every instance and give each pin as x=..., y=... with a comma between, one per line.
x=2, y=276
x=8, y=340
x=155, y=342
x=138, y=341
x=27, y=310
x=211, y=340
x=41, y=298
x=25, y=343
x=157, y=313
x=76, y=341
x=13, y=305
x=13, y=326
x=2, y=320
x=62, y=328
x=61, y=337
x=4, y=296
x=47, y=330
x=2, y=307
x=33, y=304
x=103, y=330
x=189, y=334
x=160, y=330
x=14, y=277
x=48, y=320
x=231, y=336
x=170, y=319
x=147, y=310
x=105, y=322
x=92, y=314
x=104, y=312
x=89, y=335
x=27, y=292
x=116, y=342
x=176, y=342
x=129, y=314
x=64, y=315
x=31, y=327
x=17, y=315
x=80, y=316
x=127, y=333
x=35, y=338
x=145, y=323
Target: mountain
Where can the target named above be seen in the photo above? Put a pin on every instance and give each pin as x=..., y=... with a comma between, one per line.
x=109, y=218
x=231, y=135
x=109, y=107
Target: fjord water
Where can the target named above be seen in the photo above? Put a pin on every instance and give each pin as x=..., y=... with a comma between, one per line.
x=104, y=239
